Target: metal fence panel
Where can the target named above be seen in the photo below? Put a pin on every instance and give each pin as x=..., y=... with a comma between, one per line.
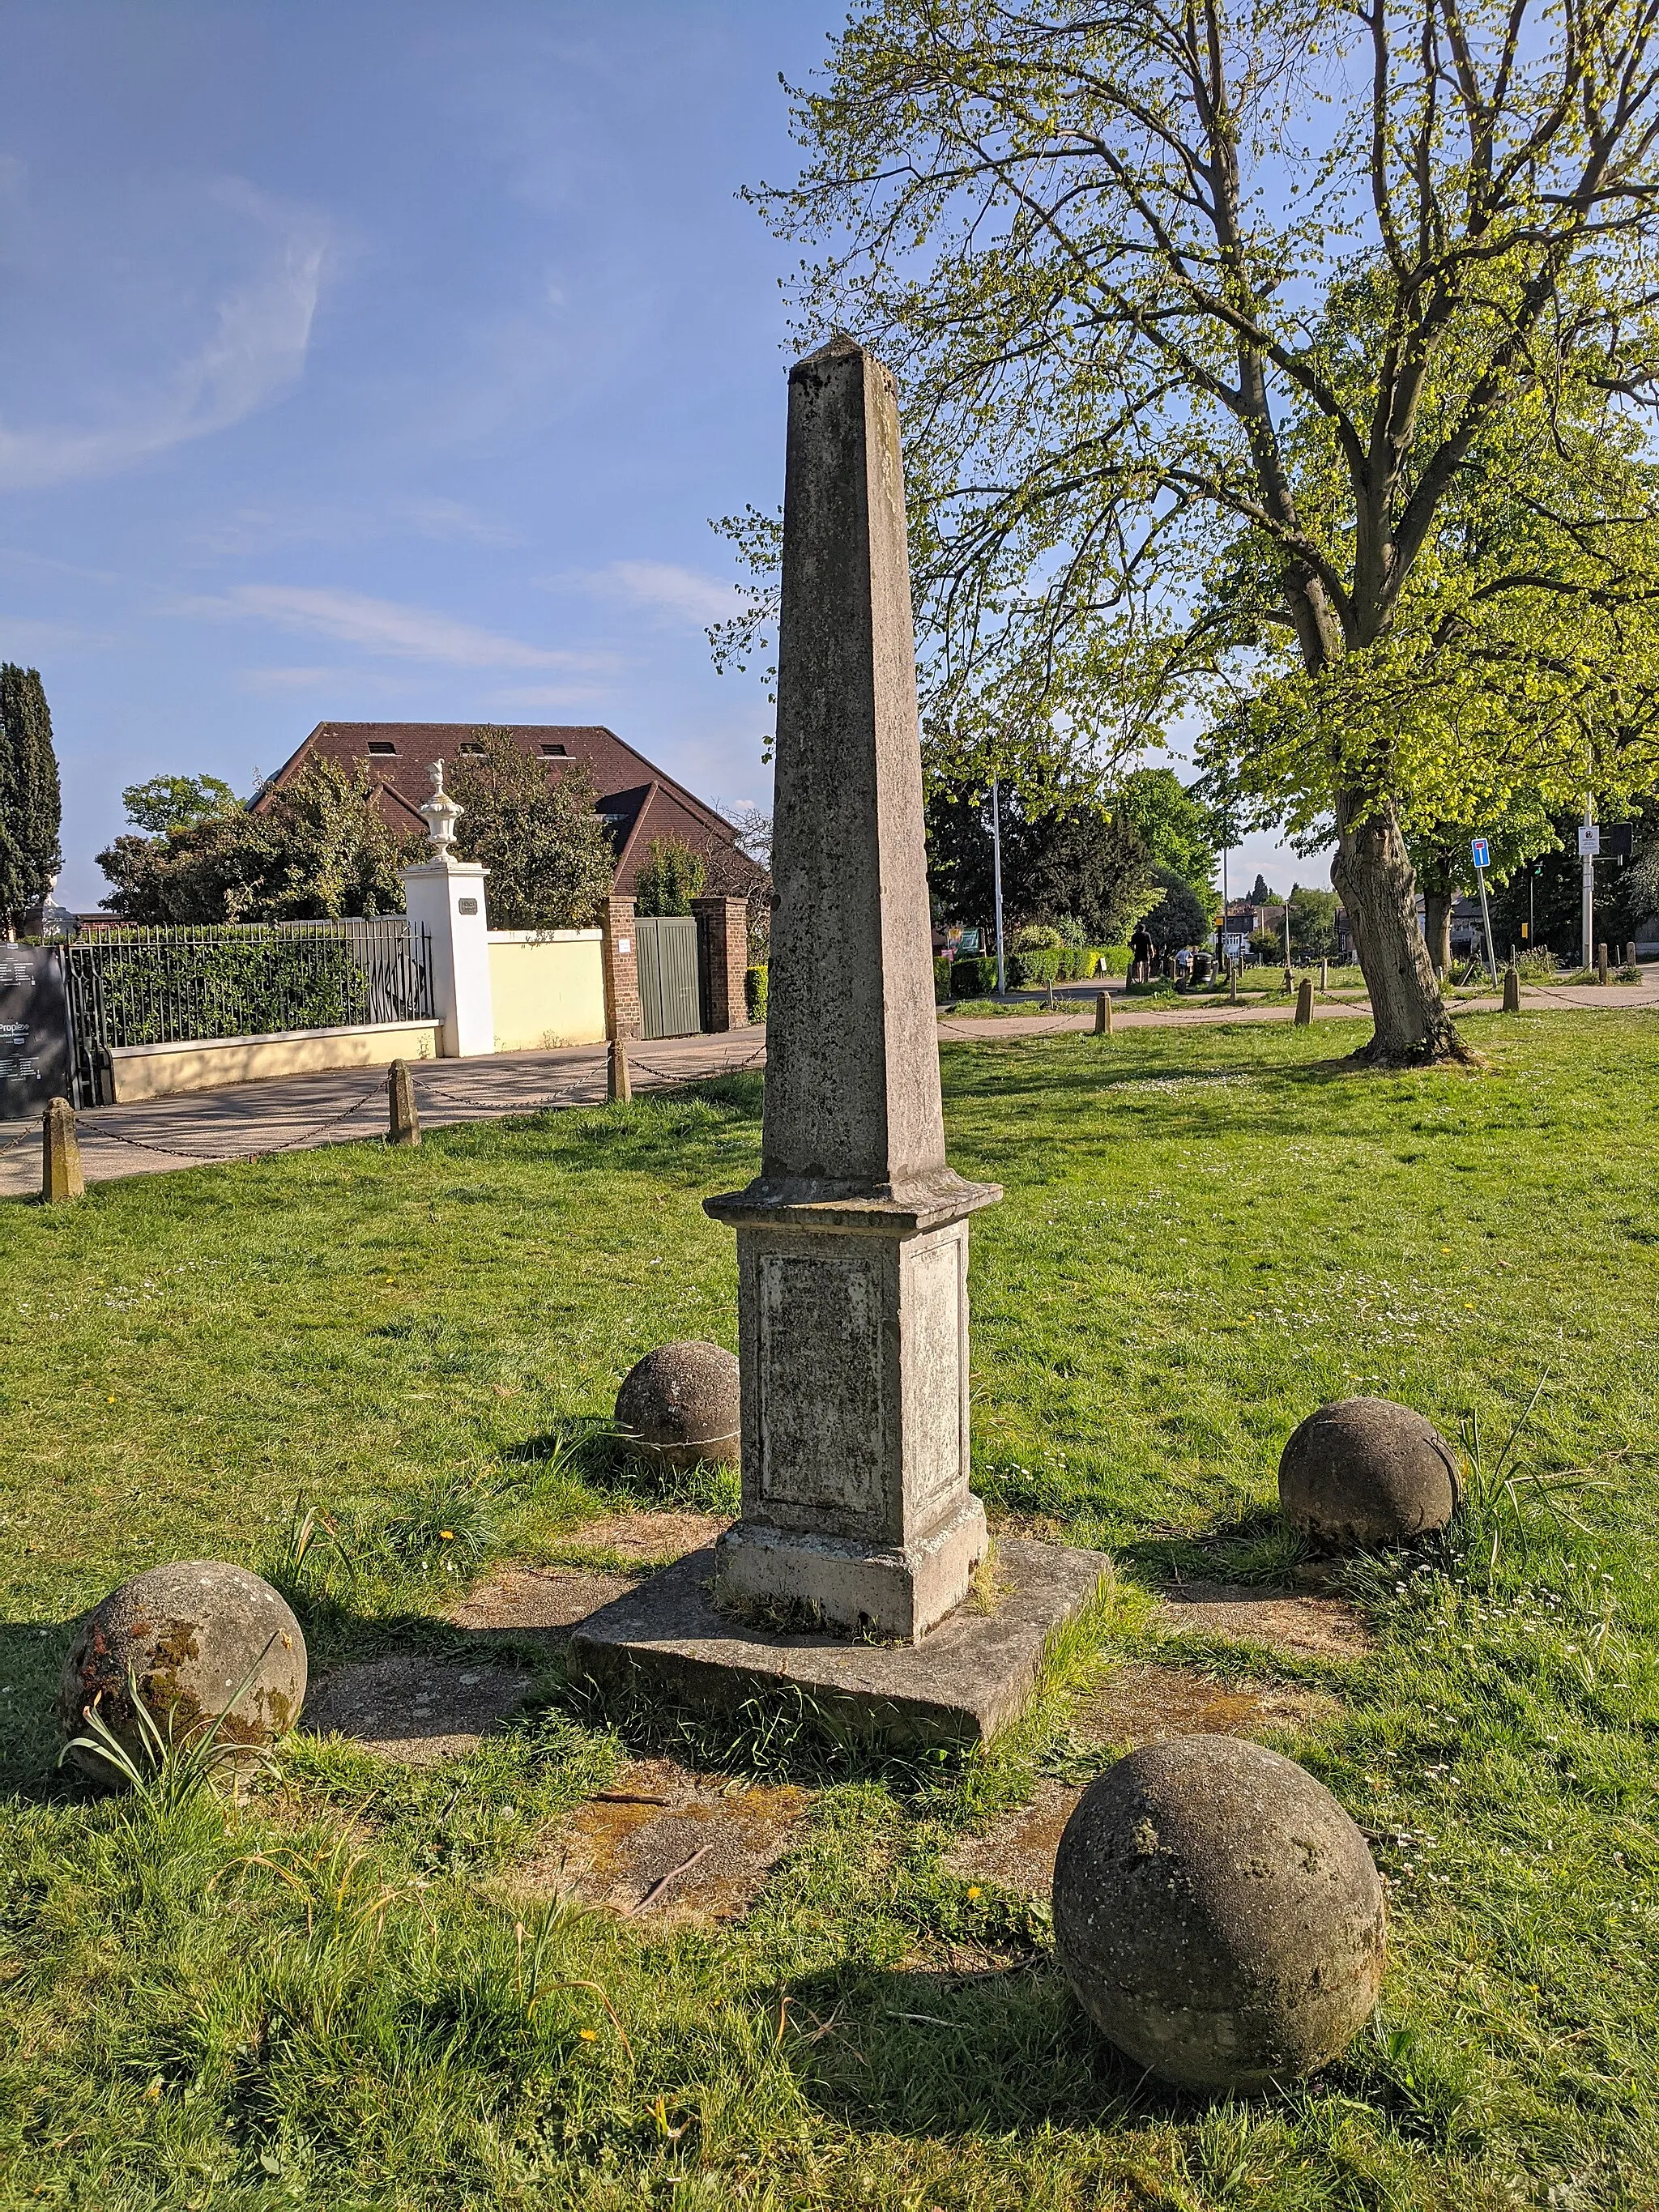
x=178, y=986
x=666, y=946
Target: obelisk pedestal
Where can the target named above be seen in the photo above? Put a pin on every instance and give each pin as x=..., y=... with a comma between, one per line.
x=859, y=1538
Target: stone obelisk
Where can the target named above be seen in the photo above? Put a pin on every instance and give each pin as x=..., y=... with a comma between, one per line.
x=853, y=1240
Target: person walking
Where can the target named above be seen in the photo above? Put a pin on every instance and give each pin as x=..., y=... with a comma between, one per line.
x=1141, y=949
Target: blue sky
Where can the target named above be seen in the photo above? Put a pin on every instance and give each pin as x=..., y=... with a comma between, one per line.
x=386, y=361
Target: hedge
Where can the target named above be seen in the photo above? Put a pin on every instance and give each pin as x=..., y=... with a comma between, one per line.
x=973, y=977
x=754, y=992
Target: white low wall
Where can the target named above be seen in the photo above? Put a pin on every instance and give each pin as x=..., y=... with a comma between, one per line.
x=548, y=988
x=156, y=1071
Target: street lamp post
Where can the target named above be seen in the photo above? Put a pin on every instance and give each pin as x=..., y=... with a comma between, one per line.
x=996, y=885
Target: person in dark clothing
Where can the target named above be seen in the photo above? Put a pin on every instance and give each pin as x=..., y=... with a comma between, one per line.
x=1141, y=949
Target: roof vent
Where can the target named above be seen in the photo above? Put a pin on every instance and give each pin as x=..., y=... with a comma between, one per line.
x=381, y=746
x=478, y=749
x=555, y=752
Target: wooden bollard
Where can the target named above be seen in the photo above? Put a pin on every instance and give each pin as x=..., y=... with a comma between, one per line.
x=1304, y=1003
x=1289, y=984
x=1630, y=954
x=1512, y=989
x=1103, y=1013
x=60, y=1154
x=404, y=1125
x=617, y=1087
x=1600, y=964
x=1324, y=974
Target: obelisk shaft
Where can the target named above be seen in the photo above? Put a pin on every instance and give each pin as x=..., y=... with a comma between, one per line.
x=852, y=1085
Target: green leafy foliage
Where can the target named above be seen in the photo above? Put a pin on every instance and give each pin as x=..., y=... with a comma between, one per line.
x=177, y=802
x=313, y=850
x=31, y=809
x=549, y=857
x=1180, y=917
x=669, y=877
x=1295, y=373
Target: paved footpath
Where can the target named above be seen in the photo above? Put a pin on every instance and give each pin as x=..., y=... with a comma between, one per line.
x=294, y=1113
x=1133, y=1014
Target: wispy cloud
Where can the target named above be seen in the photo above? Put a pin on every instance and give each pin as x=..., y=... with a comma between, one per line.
x=256, y=349
x=450, y=519
x=669, y=590
x=292, y=679
x=385, y=626
x=528, y=698
x=30, y=637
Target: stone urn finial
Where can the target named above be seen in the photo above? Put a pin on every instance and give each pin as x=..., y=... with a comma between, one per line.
x=441, y=813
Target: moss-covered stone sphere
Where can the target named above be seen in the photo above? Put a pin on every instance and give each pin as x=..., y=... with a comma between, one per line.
x=1218, y=1915
x=200, y=1639
x=681, y=1404
x=1365, y=1472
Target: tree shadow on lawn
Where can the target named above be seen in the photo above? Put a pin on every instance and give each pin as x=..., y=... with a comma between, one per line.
x=1009, y=2051
x=1196, y=1101
x=1258, y=1547
x=927, y=2052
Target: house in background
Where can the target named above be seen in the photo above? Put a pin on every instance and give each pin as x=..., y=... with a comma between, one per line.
x=637, y=802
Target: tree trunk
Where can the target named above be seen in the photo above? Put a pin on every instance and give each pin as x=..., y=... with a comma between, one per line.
x=1437, y=928
x=1372, y=874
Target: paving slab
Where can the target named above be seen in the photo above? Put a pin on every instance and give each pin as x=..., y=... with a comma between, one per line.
x=667, y=1847
x=412, y=1708
x=969, y=1677
x=1312, y=1627
x=1139, y=1703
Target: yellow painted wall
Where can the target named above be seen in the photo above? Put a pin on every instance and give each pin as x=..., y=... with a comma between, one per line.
x=157, y=1070
x=548, y=990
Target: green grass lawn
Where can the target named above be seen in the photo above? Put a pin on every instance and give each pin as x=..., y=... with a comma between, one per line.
x=329, y=1994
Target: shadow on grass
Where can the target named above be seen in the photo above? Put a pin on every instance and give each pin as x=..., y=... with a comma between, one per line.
x=1259, y=1548
x=592, y=1451
x=1010, y=2050
x=929, y=2052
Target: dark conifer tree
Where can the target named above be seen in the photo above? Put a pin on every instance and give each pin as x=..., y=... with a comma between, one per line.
x=30, y=805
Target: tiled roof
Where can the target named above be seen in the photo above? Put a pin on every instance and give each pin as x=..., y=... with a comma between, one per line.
x=636, y=799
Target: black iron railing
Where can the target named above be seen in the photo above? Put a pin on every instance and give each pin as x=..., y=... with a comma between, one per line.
x=176, y=986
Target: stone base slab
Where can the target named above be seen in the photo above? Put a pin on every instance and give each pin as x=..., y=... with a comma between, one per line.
x=899, y=1590
x=960, y=1684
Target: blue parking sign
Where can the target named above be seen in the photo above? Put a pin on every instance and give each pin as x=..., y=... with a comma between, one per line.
x=1482, y=851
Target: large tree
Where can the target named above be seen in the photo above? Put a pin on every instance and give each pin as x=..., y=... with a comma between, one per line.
x=549, y=857
x=1066, y=856
x=31, y=808
x=1288, y=363
x=315, y=849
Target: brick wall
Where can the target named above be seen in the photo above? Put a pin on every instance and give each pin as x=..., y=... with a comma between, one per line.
x=725, y=925
x=622, y=969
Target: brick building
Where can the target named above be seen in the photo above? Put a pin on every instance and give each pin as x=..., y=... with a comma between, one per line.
x=636, y=801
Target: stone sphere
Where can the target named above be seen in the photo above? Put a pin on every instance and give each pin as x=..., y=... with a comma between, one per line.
x=1217, y=1914
x=1365, y=1470
x=681, y=1404
x=189, y=1635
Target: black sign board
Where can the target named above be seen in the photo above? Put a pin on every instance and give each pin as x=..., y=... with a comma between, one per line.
x=35, y=1055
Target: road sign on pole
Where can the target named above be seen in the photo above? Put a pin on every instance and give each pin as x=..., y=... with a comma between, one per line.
x=1482, y=851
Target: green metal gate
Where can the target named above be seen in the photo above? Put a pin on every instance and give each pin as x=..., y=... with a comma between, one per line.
x=666, y=947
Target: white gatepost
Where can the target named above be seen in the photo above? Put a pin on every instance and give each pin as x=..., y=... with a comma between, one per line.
x=446, y=897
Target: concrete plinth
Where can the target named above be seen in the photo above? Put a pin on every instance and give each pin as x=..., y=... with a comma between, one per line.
x=852, y=1337
x=958, y=1686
